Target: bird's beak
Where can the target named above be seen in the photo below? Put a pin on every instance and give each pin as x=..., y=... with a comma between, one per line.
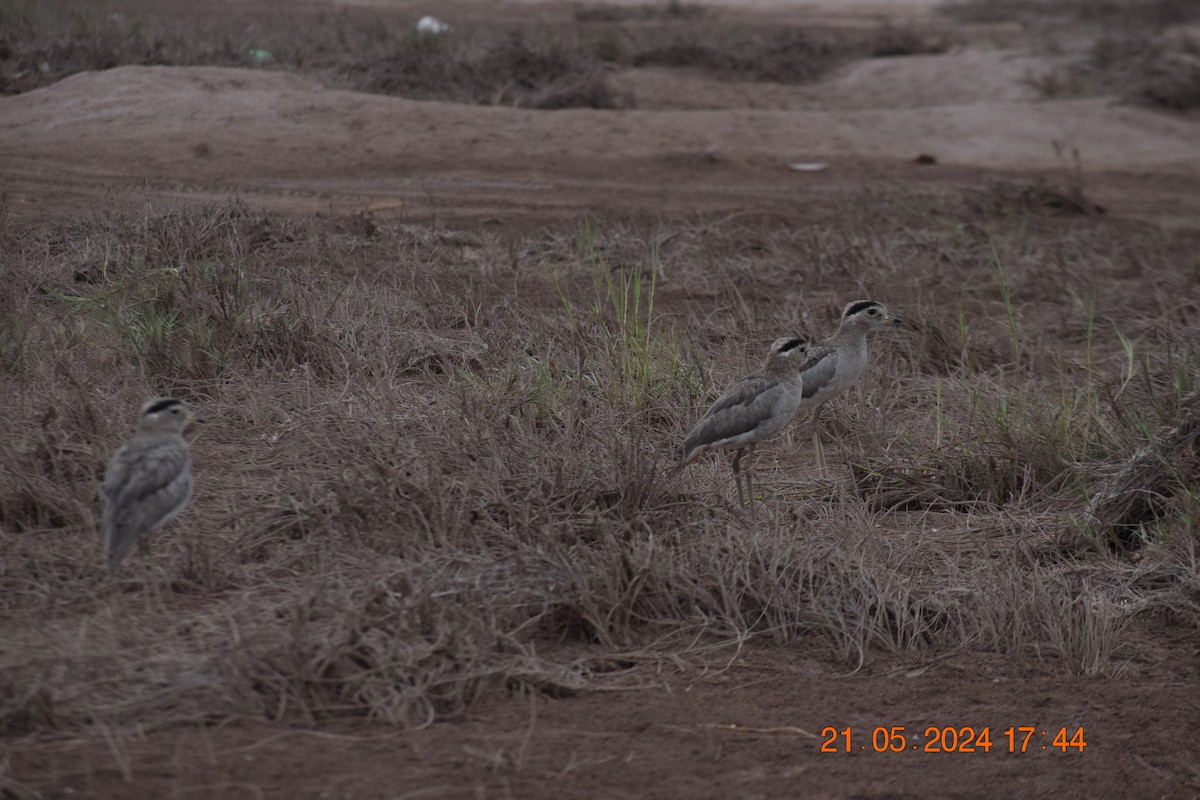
x=894, y=320
x=194, y=417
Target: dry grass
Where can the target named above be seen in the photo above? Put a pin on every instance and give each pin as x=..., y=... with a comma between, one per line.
x=545, y=65
x=673, y=9
x=1111, y=12
x=1137, y=51
x=1136, y=67
x=433, y=467
x=537, y=71
x=1142, y=490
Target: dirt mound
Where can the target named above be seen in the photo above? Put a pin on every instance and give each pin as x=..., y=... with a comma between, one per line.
x=148, y=114
x=226, y=130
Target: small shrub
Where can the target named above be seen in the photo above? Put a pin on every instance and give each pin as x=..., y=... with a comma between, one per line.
x=1146, y=70
x=513, y=71
x=1126, y=12
x=887, y=41
x=1171, y=82
x=788, y=56
x=673, y=10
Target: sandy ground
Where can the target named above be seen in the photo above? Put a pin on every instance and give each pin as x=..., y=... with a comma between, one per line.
x=752, y=727
x=162, y=135
x=292, y=144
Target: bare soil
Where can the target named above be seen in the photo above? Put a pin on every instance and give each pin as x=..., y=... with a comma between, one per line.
x=750, y=727
x=746, y=721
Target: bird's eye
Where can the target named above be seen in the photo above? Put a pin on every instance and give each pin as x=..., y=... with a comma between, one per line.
x=873, y=312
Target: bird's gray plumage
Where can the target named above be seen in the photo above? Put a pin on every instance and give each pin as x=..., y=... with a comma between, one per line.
x=751, y=409
x=149, y=480
x=836, y=363
x=820, y=374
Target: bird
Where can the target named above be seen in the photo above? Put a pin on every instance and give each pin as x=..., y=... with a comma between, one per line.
x=750, y=410
x=834, y=364
x=149, y=479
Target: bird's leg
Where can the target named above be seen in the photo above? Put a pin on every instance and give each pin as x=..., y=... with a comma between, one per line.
x=817, y=428
x=750, y=489
x=835, y=428
x=818, y=453
x=818, y=448
x=737, y=474
x=750, y=474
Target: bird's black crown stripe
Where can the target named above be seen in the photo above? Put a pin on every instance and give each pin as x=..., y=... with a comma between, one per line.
x=162, y=405
x=861, y=305
x=792, y=344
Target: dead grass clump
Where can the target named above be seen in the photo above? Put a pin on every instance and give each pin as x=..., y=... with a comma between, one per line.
x=1170, y=81
x=1132, y=500
x=1093, y=609
x=673, y=10
x=1151, y=70
x=43, y=43
x=954, y=481
x=992, y=452
x=400, y=648
x=1128, y=12
x=787, y=56
x=518, y=70
x=889, y=41
x=57, y=451
x=223, y=231
x=591, y=90
x=1042, y=197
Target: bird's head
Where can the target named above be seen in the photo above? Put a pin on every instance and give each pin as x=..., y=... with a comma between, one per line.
x=867, y=314
x=791, y=349
x=166, y=415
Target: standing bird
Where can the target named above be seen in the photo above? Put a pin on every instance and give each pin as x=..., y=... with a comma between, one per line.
x=149, y=480
x=836, y=363
x=751, y=410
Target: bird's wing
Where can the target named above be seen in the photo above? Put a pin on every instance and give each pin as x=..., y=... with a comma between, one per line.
x=819, y=371
x=743, y=393
x=147, y=483
x=747, y=405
